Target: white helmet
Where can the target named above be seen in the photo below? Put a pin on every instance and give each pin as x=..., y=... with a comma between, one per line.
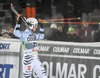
x=32, y=22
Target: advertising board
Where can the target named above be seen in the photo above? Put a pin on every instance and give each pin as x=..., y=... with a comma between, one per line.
x=70, y=60
x=9, y=58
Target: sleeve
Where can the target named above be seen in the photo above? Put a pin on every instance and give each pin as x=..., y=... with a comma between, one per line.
x=41, y=34
x=41, y=30
x=17, y=31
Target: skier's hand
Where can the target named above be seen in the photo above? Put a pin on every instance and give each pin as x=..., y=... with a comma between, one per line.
x=19, y=18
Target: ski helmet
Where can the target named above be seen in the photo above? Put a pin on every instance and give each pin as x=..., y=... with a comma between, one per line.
x=32, y=22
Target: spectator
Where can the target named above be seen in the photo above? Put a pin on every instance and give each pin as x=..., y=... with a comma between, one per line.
x=85, y=33
x=50, y=32
x=55, y=33
x=5, y=35
x=53, y=25
x=63, y=9
x=3, y=31
x=10, y=31
x=72, y=35
x=63, y=34
x=95, y=34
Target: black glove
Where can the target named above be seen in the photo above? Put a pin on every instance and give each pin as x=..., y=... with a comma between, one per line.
x=19, y=22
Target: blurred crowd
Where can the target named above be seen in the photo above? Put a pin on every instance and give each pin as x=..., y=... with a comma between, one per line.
x=75, y=33
x=63, y=9
x=54, y=32
x=7, y=33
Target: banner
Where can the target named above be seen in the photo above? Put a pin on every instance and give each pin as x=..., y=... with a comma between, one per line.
x=70, y=60
x=60, y=59
x=9, y=58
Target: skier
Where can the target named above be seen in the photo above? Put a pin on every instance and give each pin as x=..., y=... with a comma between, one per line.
x=31, y=60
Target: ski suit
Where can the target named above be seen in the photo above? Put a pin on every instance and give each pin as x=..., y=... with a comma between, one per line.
x=31, y=60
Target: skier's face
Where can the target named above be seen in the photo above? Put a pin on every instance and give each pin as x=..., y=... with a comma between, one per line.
x=35, y=28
